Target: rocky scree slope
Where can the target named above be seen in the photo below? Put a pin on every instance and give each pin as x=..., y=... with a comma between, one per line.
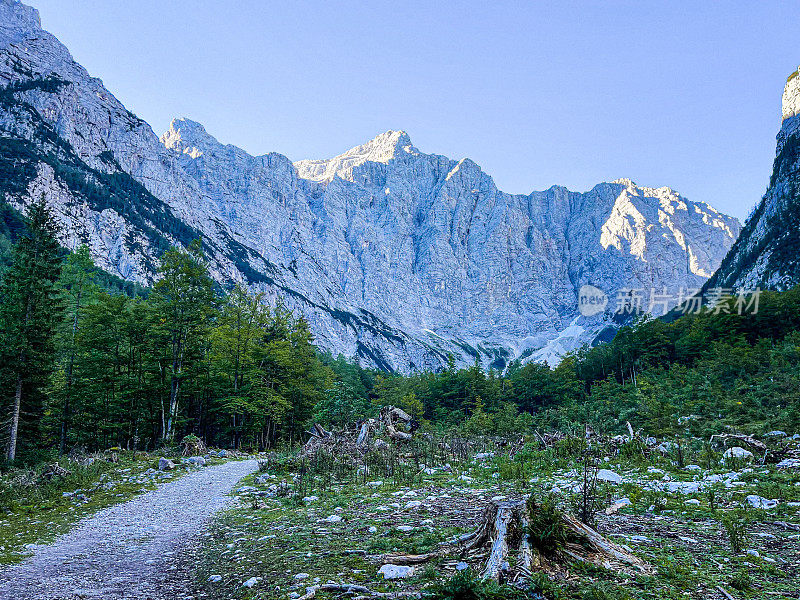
x=396, y=257
x=767, y=254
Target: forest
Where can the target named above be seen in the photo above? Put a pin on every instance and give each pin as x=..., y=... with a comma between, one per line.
x=89, y=362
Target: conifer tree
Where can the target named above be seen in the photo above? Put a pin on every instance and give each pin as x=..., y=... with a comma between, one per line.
x=29, y=311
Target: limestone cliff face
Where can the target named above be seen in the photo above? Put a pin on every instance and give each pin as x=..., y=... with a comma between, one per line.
x=396, y=257
x=767, y=254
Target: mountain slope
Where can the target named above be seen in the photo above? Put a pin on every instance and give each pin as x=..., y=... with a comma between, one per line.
x=395, y=256
x=766, y=254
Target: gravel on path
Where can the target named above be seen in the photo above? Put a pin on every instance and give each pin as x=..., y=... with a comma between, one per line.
x=130, y=550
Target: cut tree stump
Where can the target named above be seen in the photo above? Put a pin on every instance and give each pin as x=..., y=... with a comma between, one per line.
x=504, y=526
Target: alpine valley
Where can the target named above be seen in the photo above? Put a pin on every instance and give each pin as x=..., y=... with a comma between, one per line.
x=396, y=257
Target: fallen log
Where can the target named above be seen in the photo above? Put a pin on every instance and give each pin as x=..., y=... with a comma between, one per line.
x=747, y=439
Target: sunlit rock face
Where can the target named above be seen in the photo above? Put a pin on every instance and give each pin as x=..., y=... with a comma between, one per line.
x=396, y=257
x=767, y=254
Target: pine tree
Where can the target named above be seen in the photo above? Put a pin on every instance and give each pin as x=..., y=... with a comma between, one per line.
x=29, y=313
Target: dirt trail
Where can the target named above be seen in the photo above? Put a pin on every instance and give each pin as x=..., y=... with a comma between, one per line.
x=131, y=550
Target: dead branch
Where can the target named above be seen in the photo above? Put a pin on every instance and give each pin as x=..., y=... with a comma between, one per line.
x=747, y=439
x=785, y=525
x=392, y=417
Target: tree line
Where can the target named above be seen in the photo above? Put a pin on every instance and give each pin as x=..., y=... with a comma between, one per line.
x=87, y=363
x=94, y=368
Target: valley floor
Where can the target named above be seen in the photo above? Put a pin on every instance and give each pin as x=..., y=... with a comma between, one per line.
x=269, y=546
x=288, y=526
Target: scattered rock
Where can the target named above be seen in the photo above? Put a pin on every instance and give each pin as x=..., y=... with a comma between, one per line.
x=197, y=461
x=789, y=463
x=666, y=447
x=396, y=571
x=621, y=503
x=610, y=476
x=165, y=464
x=251, y=582
x=737, y=453
x=682, y=487
x=214, y=579
x=333, y=519
x=759, y=502
x=301, y=576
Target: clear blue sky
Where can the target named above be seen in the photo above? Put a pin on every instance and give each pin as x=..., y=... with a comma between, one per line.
x=684, y=94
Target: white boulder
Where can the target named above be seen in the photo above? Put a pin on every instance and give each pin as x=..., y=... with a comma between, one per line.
x=737, y=453
x=610, y=476
x=396, y=571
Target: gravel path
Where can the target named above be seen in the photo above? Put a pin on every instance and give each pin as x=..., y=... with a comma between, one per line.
x=131, y=550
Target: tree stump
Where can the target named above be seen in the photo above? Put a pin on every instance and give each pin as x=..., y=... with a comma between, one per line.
x=504, y=527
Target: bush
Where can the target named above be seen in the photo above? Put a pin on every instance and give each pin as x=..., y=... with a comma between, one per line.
x=735, y=524
x=546, y=530
x=468, y=586
x=741, y=580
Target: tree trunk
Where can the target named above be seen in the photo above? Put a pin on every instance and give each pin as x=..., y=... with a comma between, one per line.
x=70, y=367
x=12, y=438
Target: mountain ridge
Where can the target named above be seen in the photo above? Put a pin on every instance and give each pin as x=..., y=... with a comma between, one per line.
x=396, y=257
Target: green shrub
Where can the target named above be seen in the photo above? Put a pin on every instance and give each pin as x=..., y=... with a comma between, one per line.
x=735, y=523
x=468, y=586
x=741, y=580
x=546, y=530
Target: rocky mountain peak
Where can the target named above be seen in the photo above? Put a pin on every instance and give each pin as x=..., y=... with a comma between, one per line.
x=380, y=149
x=17, y=21
x=188, y=137
x=790, y=103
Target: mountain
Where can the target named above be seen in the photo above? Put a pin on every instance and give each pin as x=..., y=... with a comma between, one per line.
x=396, y=257
x=767, y=254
